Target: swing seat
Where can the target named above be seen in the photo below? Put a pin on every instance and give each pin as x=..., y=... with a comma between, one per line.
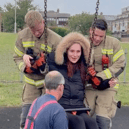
x=78, y=109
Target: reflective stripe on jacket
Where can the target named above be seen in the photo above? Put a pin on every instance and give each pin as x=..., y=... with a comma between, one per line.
x=27, y=40
x=112, y=48
x=33, y=82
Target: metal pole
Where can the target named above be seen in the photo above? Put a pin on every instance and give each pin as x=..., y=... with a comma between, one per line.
x=125, y=66
x=15, y=24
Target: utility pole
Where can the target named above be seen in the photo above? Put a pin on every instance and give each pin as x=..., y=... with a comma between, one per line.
x=0, y=20
x=15, y=24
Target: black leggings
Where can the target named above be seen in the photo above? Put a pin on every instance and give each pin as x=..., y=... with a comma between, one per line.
x=81, y=121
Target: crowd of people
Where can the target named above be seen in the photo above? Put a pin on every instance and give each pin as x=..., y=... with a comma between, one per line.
x=55, y=100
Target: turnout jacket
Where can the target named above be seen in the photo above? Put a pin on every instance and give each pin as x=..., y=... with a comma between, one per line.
x=112, y=48
x=73, y=94
x=27, y=40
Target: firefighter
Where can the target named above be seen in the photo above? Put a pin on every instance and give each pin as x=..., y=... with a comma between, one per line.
x=108, y=62
x=29, y=57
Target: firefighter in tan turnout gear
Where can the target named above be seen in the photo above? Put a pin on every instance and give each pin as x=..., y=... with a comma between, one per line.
x=108, y=62
x=30, y=60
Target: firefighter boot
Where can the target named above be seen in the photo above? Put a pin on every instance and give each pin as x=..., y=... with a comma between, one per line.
x=25, y=110
x=103, y=122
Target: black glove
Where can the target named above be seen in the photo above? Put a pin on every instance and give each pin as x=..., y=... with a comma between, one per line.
x=95, y=81
x=104, y=84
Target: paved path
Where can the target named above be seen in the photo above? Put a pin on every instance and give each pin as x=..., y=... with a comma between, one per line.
x=10, y=117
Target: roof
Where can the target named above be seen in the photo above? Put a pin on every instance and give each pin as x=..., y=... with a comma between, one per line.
x=53, y=14
x=110, y=17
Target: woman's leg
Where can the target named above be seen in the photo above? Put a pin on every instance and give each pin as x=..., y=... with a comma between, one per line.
x=75, y=121
x=89, y=121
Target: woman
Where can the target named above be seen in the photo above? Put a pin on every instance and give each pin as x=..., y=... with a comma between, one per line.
x=70, y=60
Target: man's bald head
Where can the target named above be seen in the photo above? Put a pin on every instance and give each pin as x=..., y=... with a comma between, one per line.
x=53, y=79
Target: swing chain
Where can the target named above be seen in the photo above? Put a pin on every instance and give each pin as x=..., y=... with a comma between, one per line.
x=97, y=8
x=45, y=22
x=45, y=36
x=91, y=44
x=93, y=27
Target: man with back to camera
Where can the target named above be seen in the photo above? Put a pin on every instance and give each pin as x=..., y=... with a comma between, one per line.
x=108, y=62
x=52, y=114
x=30, y=60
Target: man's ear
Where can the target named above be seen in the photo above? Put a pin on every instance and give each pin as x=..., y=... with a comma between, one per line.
x=60, y=87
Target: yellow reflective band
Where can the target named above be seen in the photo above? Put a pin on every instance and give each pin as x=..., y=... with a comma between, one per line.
x=108, y=73
x=107, y=51
x=20, y=65
x=49, y=49
x=19, y=53
x=28, y=44
x=36, y=83
x=117, y=55
x=116, y=86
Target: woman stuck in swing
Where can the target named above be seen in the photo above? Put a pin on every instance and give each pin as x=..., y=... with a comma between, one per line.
x=70, y=60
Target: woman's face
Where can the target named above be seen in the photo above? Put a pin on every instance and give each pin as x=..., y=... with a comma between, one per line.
x=74, y=53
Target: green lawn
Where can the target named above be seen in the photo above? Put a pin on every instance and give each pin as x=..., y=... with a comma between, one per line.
x=10, y=86
x=123, y=91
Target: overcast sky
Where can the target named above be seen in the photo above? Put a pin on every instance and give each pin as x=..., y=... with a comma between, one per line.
x=108, y=7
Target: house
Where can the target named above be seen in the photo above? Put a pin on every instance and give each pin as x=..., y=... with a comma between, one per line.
x=119, y=25
x=60, y=19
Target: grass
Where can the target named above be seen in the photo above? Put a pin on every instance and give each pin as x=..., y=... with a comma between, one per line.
x=125, y=47
x=10, y=86
x=123, y=94
x=9, y=71
x=123, y=91
x=10, y=94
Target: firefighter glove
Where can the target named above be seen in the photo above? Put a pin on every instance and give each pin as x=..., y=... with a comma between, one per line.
x=40, y=62
x=91, y=71
x=96, y=81
x=33, y=69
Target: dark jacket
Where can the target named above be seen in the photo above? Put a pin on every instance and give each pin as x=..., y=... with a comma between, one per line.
x=73, y=95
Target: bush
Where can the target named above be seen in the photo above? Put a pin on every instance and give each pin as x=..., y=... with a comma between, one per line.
x=60, y=30
x=109, y=33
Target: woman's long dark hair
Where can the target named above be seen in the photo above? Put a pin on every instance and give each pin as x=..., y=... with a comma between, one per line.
x=80, y=65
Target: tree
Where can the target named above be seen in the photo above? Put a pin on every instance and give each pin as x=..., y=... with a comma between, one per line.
x=8, y=17
x=1, y=10
x=81, y=22
x=21, y=9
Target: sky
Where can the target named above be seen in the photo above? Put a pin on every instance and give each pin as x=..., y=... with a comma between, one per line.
x=108, y=7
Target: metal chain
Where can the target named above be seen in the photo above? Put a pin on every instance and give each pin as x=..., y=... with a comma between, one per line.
x=45, y=27
x=45, y=36
x=91, y=44
x=93, y=27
